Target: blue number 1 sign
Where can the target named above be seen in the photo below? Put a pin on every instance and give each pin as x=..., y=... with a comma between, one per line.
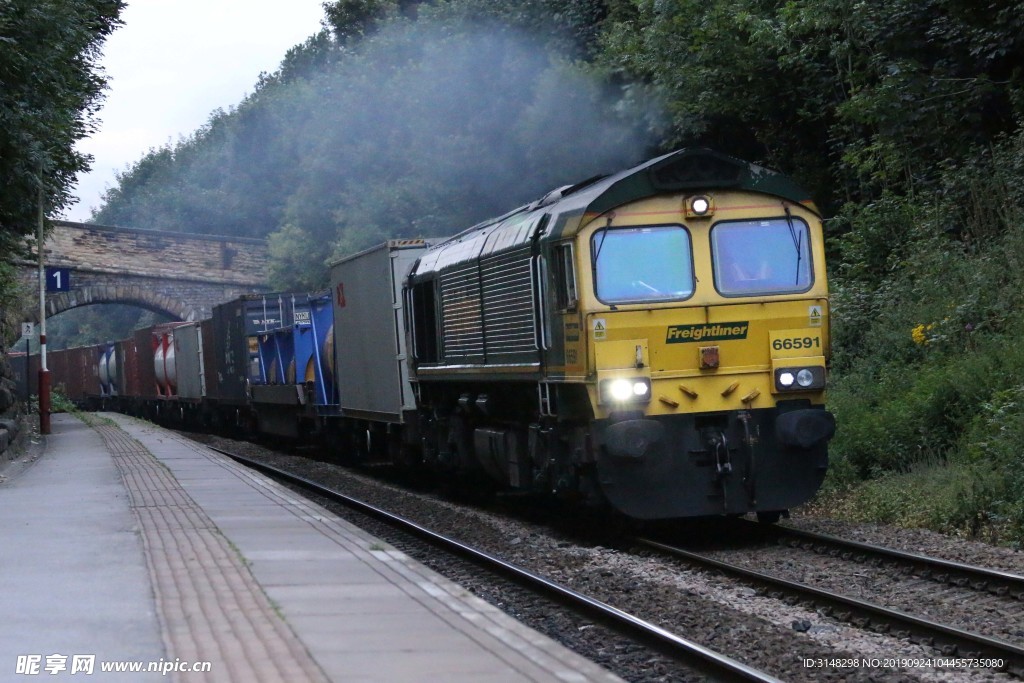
x=58, y=279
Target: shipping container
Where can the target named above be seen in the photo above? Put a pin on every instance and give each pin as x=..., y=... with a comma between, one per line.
x=321, y=362
x=277, y=347
x=127, y=361
x=75, y=372
x=189, y=361
x=236, y=326
x=369, y=331
x=209, y=356
x=142, y=361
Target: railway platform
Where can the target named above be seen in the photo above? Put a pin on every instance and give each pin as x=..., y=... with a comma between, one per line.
x=130, y=553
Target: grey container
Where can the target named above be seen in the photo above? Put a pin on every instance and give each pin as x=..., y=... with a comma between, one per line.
x=189, y=361
x=369, y=330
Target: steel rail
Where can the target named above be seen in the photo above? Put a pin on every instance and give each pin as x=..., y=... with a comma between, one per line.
x=954, y=642
x=944, y=571
x=709, y=662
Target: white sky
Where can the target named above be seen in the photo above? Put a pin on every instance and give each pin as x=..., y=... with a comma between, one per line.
x=171, y=64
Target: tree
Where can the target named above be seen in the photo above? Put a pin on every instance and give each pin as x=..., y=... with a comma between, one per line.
x=50, y=91
x=420, y=129
x=855, y=98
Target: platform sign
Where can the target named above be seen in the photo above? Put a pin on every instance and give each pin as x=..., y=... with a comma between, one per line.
x=58, y=279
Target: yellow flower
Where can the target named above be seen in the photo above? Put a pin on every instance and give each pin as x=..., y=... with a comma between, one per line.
x=917, y=334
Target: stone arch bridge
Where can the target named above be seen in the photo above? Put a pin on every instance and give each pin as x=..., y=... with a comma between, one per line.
x=180, y=274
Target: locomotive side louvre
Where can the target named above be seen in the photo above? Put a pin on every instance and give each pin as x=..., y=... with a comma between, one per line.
x=483, y=286
x=481, y=335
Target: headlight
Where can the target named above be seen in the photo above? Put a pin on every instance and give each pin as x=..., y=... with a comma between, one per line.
x=626, y=390
x=800, y=379
x=620, y=389
x=700, y=206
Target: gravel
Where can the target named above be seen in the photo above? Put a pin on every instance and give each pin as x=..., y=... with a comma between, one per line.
x=725, y=615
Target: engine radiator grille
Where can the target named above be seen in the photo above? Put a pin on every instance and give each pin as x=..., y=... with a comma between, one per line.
x=487, y=310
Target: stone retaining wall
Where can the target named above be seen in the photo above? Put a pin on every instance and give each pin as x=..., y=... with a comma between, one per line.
x=13, y=429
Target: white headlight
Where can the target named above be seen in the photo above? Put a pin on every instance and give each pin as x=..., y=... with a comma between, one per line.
x=700, y=205
x=804, y=378
x=621, y=389
x=786, y=379
x=639, y=389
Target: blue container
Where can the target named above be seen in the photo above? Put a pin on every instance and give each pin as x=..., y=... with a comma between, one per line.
x=322, y=349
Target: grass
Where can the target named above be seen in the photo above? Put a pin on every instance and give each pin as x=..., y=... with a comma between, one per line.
x=953, y=498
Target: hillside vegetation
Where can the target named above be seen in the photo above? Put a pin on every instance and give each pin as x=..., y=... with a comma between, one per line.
x=902, y=117
x=50, y=89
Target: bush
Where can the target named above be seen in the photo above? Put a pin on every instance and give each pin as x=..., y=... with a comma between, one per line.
x=956, y=498
x=929, y=409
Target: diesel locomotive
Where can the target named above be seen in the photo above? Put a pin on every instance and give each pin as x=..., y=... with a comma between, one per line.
x=655, y=341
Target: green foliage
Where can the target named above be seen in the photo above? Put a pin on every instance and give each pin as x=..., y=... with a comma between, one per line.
x=952, y=497
x=98, y=323
x=928, y=316
x=50, y=89
x=11, y=245
x=852, y=98
x=294, y=266
x=351, y=20
x=423, y=129
x=568, y=27
x=59, y=403
x=994, y=442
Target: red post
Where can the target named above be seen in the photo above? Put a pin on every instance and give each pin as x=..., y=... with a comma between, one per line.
x=44, y=401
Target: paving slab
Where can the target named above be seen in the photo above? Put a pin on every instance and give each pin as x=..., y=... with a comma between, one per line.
x=362, y=614
x=73, y=576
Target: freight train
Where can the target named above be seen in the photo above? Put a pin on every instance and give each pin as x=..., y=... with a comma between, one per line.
x=655, y=341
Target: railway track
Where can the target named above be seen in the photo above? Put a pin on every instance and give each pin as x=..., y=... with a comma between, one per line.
x=705, y=661
x=951, y=642
x=958, y=574
x=756, y=625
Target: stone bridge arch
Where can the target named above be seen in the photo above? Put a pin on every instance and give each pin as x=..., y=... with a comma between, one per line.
x=180, y=274
x=136, y=295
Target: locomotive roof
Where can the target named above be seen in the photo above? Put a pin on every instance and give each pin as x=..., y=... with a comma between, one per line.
x=690, y=169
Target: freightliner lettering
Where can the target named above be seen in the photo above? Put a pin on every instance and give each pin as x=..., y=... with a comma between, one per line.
x=682, y=334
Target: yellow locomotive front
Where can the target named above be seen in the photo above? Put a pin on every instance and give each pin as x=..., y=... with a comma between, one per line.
x=655, y=340
x=700, y=330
